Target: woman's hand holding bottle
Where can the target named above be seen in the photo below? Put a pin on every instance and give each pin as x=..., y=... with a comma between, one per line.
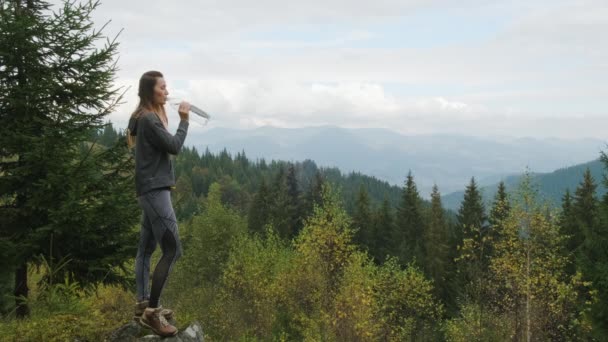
x=184, y=110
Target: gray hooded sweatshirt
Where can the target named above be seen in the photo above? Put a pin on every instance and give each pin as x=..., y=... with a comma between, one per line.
x=153, y=144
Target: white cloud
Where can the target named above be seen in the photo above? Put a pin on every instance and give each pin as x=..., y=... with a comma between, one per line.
x=548, y=61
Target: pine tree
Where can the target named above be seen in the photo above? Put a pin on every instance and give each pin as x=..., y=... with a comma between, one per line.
x=593, y=255
x=295, y=206
x=471, y=215
x=384, y=229
x=280, y=209
x=498, y=214
x=109, y=136
x=259, y=211
x=585, y=208
x=362, y=220
x=472, y=257
x=568, y=229
x=436, y=245
x=314, y=194
x=410, y=225
x=62, y=197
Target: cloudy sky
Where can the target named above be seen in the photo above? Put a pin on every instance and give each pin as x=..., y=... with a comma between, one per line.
x=473, y=67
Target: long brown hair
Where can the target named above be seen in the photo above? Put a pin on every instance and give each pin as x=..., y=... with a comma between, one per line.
x=147, y=82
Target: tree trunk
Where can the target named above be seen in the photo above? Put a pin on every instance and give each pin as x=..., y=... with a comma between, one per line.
x=21, y=291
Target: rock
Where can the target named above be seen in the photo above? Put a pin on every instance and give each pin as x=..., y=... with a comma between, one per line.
x=134, y=332
x=126, y=333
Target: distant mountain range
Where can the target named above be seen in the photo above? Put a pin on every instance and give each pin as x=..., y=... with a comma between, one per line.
x=447, y=160
x=551, y=186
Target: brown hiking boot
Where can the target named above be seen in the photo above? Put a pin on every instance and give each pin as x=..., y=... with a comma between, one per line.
x=153, y=320
x=141, y=306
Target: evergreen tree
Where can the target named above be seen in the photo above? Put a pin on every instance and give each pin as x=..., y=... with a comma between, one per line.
x=569, y=229
x=61, y=196
x=295, y=206
x=585, y=208
x=362, y=220
x=384, y=230
x=498, y=214
x=109, y=136
x=259, y=212
x=280, y=213
x=472, y=257
x=184, y=200
x=410, y=225
x=436, y=245
x=471, y=215
x=314, y=194
x=593, y=256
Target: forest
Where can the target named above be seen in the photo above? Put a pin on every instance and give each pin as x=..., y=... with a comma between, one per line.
x=273, y=250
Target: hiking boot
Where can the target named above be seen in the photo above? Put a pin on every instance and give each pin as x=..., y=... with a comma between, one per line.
x=141, y=306
x=153, y=320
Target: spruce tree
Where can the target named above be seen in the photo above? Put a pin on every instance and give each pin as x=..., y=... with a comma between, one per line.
x=62, y=197
x=384, y=230
x=259, y=210
x=569, y=229
x=295, y=205
x=498, y=214
x=410, y=225
x=279, y=203
x=362, y=219
x=585, y=208
x=593, y=251
x=471, y=214
x=109, y=136
x=314, y=194
x=436, y=245
x=472, y=257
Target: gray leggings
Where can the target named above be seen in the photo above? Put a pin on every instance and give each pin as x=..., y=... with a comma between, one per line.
x=159, y=225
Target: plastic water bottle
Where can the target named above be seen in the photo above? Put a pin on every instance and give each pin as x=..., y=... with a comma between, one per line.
x=201, y=117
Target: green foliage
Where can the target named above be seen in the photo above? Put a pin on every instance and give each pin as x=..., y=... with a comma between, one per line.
x=362, y=221
x=471, y=326
x=438, y=264
x=567, y=224
x=498, y=214
x=57, y=87
x=585, y=211
x=62, y=311
x=320, y=288
x=303, y=180
x=251, y=293
x=259, y=211
x=530, y=286
x=207, y=242
x=593, y=258
x=326, y=238
x=410, y=225
x=473, y=244
x=356, y=313
x=408, y=310
x=282, y=206
x=382, y=242
x=471, y=215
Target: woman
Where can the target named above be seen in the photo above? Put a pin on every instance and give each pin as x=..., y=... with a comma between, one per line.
x=154, y=177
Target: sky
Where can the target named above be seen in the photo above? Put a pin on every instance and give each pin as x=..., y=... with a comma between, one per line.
x=471, y=67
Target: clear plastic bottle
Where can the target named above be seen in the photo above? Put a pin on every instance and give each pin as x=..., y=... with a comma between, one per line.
x=200, y=116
